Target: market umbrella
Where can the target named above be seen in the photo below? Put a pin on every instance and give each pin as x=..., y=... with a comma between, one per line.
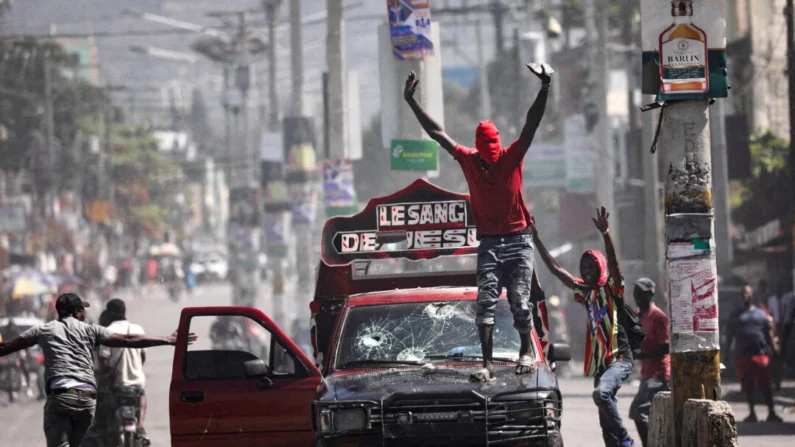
x=24, y=287
x=36, y=276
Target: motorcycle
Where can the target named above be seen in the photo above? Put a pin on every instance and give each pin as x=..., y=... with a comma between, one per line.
x=12, y=376
x=127, y=409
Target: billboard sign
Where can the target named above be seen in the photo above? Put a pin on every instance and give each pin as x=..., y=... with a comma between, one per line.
x=410, y=28
x=684, y=49
x=414, y=155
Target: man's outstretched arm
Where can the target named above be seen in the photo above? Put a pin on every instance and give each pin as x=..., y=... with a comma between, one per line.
x=142, y=341
x=535, y=113
x=14, y=345
x=431, y=127
x=552, y=264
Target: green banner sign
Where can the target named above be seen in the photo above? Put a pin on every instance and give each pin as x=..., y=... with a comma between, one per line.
x=414, y=155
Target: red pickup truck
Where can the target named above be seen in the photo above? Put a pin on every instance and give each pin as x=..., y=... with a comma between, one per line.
x=394, y=343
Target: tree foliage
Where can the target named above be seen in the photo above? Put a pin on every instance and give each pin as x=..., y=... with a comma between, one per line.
x=145, y=180
x=759, y=199
x=76, y=106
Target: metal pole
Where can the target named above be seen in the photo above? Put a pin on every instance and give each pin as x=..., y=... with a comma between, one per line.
x=227, y=156
x=48, y=104
x=498, y=11
x=297, y=58
x=720, y=178
x=273, y=120
x=335, y=59
x=689, y=226
x=790, y=12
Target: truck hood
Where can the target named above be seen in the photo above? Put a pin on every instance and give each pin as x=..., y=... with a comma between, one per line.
x=379, y=384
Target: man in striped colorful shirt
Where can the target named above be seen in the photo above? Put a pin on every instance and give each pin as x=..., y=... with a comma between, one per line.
x=608, y=356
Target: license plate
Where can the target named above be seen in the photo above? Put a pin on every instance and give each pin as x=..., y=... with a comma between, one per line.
x=436, y=416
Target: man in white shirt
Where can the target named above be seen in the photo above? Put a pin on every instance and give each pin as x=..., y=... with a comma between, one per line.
x=125, y=366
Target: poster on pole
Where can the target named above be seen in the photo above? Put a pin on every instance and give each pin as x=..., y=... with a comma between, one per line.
x=339, y=191
x=410, y=28
x=684, y=49
x=693, y=288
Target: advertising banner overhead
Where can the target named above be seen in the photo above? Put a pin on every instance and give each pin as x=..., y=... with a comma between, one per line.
x=410, y=28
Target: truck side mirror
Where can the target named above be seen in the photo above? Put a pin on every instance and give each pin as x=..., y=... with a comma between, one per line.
x=559, y=352
x=256, y=368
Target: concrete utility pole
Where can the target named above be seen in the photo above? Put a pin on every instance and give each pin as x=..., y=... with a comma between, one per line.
x=604, y=165
x=335, y=60
x=483, y=66
x=296, y=58
x=790, y=13
x=695, y=342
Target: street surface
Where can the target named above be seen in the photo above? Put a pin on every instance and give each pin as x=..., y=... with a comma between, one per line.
x=22, y=421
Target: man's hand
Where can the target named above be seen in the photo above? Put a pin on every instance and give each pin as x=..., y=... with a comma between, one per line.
x=411, y=86
x=601, y=220
x=172, y=339
x=543, y=71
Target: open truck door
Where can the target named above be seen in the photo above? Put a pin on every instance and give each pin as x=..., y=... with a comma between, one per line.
x=242, y=383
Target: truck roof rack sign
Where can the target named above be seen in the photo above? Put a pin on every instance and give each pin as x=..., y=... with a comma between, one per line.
x=436, y=222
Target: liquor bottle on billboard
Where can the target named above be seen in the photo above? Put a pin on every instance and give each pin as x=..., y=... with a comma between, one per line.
x=683, y=53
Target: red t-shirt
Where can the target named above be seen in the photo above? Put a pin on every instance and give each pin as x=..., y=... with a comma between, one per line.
x=655, y=325
x=497, y=200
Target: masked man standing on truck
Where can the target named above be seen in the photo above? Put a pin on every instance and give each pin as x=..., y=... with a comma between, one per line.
x=68, y=344
x=505, y=253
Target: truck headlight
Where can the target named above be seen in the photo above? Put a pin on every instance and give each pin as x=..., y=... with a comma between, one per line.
x=349, y=420
x=324, y=421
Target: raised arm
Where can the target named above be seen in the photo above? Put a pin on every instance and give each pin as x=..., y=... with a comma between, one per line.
x=536, y=111
x=603, y=226
x=431, y=127
x=142, y=341
x=564, y=276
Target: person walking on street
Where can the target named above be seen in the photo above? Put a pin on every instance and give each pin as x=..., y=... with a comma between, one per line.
x=68, y=344
x=608, y=354
x=505, y=253
x=125, y=366
x=754, y=342
x=655, y=373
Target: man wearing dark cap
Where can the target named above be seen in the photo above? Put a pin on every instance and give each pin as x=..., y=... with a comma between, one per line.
x=655, y=373
x=68, y=344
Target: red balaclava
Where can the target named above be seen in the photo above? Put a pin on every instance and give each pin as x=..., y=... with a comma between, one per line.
x=490, y=151
x=601, y=262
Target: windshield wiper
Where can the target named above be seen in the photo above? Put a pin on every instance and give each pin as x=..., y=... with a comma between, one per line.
x=382, y=362
x=466, y=357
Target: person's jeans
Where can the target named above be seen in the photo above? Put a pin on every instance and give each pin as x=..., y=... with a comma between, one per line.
x=67, y=418
x=606, y=385
x=505, y=262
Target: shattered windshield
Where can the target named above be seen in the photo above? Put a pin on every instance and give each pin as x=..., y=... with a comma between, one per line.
x=417, y=332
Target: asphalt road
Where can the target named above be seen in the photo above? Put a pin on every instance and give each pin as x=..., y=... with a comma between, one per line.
x=22, y=421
